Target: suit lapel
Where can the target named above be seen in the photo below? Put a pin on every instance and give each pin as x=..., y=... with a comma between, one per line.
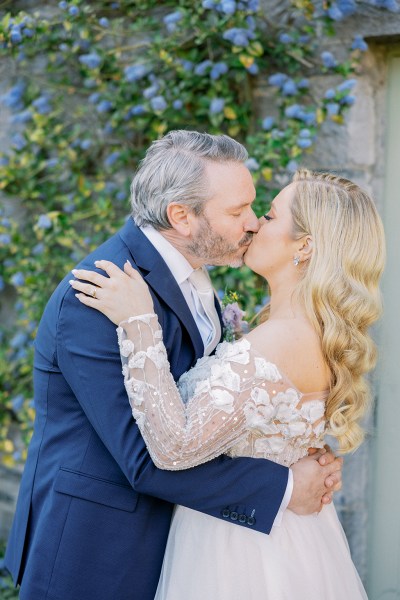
x=160, y=279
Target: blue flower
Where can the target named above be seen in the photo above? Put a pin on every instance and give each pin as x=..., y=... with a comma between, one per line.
x=171, y=20
x=91, y=61
x=304, y=133
x=294, y=111
x=44, y=222
x=330, y=94
x=17, y=402
x=139, y=109
x=348, y=100
x=27, y=32
x=104, y=22
x=332, y=108
x=6, y=223
x=104, y=106
x=347, y=7
x=135, y=72
x=5, y=239
x=239, y=36
x=2, y=284
x=13, y=98
x=4, y=161
x=63, y=47
x=304, y=142
x=208, y=4
x=359, y=44
x=177, y=104
x=52, y=162
x=18, y=279
x=334, y=12
x=303, y=84
x=18, y=340
x=218, y=69
x=289, y=88
x=346, y=85
x=268, y=123
x=121, y=196
x=285, y=38
x=151, y=91
x=187, y=65
x=217, y=105
x=85, y=144
x=111, y=159
x=228, y=7
x=253, y=69
x=15, y=35
x=93, y=98
x=38, y=249
x=73, y=11
x=277, y=79
x=329, y=61
x=42, y=105
x=18, y=141
x=22, y=117
x=292, y=166
x=252, y=164
x=63, y=5
x=202, y=67
x=158, y=103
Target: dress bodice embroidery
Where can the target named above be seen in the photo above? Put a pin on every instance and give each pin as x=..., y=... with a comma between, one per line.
x=235, y=402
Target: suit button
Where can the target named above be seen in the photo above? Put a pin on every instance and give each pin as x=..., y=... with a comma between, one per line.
x=234, y=515
x=251, y=521
x=242, y=518
x=226, y=513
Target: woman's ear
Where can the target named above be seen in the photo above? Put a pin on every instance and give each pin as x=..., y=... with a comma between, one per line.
x=306, y=250
x=178, y=216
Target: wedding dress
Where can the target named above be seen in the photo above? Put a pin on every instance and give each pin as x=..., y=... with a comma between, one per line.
x=237, y=403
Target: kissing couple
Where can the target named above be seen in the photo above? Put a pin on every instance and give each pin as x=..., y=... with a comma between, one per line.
x=219, y=487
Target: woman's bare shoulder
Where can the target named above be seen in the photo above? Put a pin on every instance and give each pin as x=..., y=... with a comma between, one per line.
x=294, y=346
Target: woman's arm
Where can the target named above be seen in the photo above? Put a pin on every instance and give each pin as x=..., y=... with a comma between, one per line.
x=230, y=392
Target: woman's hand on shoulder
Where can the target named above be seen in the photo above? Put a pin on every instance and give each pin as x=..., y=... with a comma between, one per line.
x=121, y=295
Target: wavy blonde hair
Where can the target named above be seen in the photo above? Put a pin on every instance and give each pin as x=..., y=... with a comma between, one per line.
x=339, y=289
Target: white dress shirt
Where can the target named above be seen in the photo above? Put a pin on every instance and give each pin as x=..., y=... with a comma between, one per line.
x=181, y=269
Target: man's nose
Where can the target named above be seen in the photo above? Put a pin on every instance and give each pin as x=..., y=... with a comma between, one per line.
x=253, y=224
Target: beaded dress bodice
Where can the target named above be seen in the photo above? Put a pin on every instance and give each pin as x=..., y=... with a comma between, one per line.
x=235, y=402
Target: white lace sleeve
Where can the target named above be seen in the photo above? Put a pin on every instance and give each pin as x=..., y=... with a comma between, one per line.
x=227, y=394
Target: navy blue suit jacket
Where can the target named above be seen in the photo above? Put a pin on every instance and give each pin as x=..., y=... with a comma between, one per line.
x=93, y=511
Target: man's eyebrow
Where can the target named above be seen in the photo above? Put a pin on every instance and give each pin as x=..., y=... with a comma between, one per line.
x=242, y=205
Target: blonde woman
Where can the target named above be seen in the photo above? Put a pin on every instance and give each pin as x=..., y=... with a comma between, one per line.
x=273, y=394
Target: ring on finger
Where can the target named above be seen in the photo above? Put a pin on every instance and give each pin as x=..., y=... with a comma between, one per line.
x=93, y=293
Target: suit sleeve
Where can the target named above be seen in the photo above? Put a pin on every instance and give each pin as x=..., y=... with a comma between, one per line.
x=89, y=358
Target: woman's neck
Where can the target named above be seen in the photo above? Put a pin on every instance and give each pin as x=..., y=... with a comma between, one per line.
x=284, y=303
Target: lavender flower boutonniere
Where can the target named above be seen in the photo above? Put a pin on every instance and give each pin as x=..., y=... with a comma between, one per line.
x=232, y=317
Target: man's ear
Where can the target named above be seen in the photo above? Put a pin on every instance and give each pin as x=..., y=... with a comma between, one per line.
x=306, y=250
x=179, y=217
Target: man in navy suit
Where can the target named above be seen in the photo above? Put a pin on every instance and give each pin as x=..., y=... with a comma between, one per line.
x=93, y=511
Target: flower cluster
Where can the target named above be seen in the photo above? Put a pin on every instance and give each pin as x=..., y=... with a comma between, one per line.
x=233, y=321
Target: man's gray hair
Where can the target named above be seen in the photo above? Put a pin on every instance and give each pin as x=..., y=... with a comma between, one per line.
x=173, y=171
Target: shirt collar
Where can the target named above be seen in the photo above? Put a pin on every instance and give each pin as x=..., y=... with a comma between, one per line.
x=180, y=268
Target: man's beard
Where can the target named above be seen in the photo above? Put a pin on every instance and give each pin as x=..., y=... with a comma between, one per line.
x=214, y=249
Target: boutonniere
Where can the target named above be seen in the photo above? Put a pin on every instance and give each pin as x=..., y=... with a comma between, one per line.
x=232, y=317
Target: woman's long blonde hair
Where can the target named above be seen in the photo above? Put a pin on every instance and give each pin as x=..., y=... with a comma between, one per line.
x=339, y=289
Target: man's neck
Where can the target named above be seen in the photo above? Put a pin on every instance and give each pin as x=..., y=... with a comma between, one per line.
x=179, y=243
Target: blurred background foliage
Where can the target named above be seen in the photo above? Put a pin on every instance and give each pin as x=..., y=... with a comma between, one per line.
x=93, y=83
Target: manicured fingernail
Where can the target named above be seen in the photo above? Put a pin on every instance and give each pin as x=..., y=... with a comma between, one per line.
x=74, y=271
x=71, y=282
x=96, y=262
x=322, y=461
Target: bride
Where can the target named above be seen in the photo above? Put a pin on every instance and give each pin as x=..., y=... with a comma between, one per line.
x=273, y=394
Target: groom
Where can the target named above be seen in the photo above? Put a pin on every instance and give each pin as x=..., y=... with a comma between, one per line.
x=93, y=512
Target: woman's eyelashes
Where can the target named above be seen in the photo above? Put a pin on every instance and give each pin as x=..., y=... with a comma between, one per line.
x=268, y=217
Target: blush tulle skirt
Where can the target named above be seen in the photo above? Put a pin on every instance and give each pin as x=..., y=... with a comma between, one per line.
x=305, y=558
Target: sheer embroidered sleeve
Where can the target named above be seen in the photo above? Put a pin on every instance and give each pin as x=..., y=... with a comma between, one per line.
x=214, y=405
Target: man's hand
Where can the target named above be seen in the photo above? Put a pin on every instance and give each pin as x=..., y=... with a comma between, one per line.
x=315, y=478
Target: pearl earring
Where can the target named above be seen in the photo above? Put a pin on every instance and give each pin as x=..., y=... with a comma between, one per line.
x=296, y=260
